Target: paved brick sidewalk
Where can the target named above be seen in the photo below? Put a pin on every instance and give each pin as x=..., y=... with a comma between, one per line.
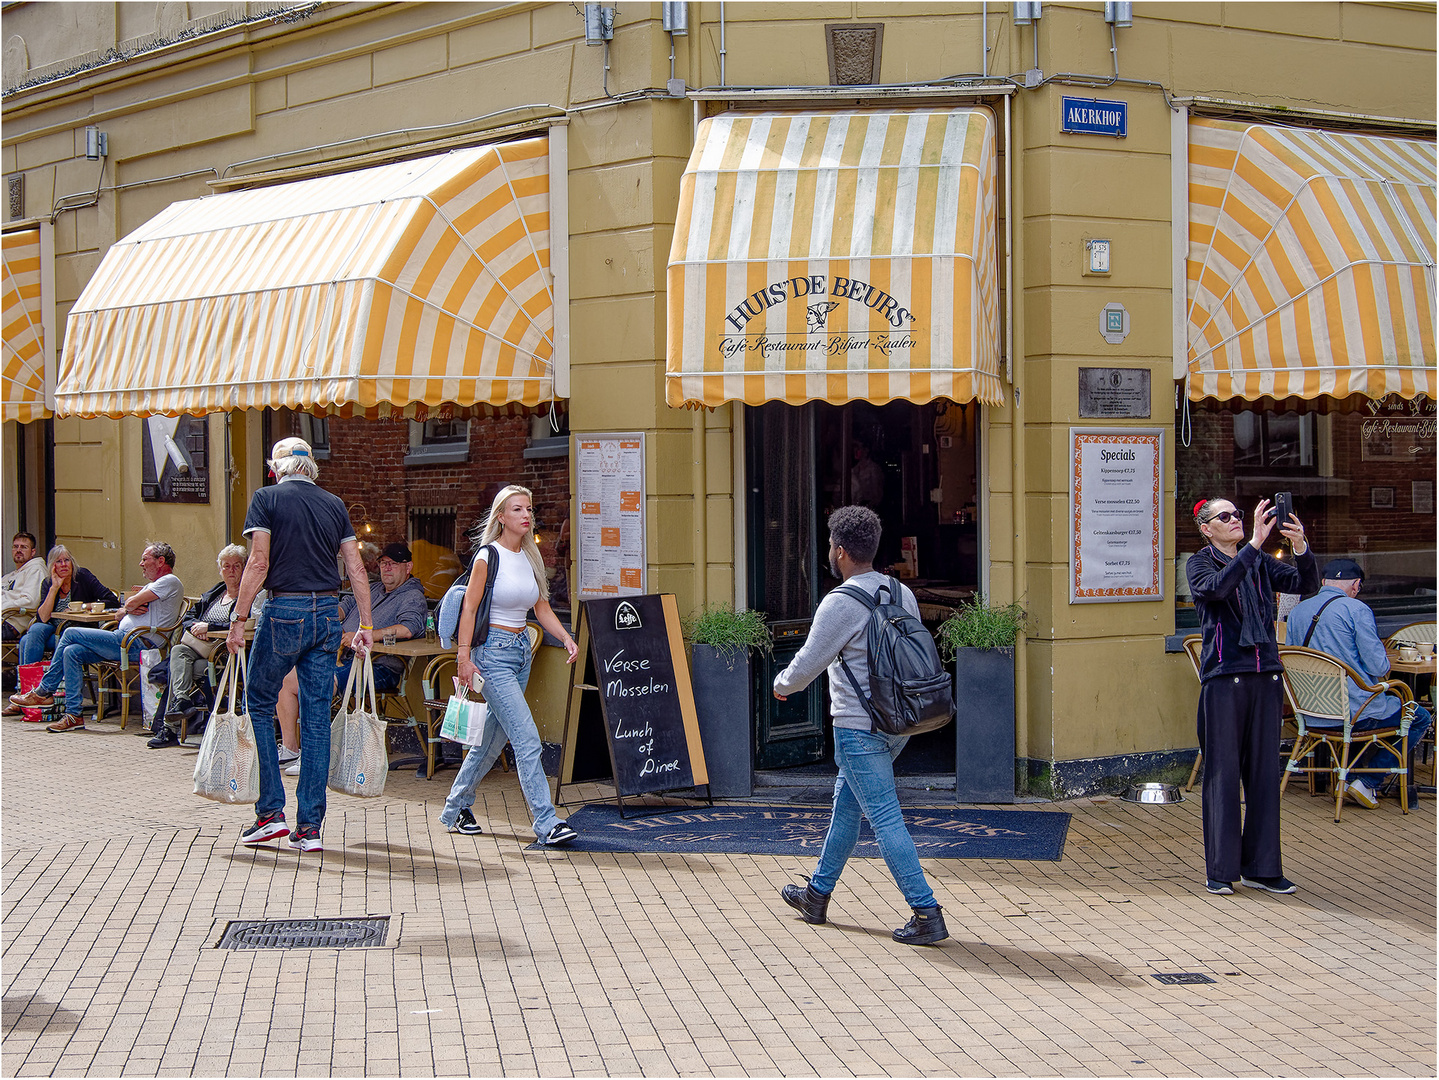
x=118, y=882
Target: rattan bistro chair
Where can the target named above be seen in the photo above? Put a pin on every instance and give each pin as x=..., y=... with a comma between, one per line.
x=1194, y=649
x=1317, y=687
x=1419, y=633
x=120, y=677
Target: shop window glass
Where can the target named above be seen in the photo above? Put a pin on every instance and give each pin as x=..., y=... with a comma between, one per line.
x=438, y=440
x=1362, y=475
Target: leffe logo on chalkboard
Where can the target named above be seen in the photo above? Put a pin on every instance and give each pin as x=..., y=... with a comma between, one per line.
x=627, y=617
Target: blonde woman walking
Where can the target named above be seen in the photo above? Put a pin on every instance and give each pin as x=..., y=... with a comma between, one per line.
x=500, y=653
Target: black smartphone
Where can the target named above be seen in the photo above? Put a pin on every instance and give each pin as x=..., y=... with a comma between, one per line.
x=1283, y=506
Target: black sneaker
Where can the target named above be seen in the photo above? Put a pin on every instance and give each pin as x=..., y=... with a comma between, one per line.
x=561, y=834
x=307, y=838
x=467, y=824
x=165, y=738
x=269, y=826
x=1281, y=885
x=1219, y=888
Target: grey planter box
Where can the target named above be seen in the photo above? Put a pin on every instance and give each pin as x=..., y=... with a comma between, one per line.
x=984, y=725
x=722, y=705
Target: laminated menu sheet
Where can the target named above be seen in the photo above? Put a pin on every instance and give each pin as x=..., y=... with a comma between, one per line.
x=611, y=493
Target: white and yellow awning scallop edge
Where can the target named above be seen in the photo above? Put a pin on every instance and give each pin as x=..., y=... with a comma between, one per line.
x=411, y=289
x=836, y=257
x=26, y=377
x=1311, y=268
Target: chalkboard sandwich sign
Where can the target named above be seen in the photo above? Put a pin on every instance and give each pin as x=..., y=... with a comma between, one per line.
x=633, y=668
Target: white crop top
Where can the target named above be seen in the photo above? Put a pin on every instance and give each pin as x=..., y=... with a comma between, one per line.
x=516, y=590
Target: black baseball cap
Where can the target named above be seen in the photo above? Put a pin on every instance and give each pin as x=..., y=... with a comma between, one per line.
x=1341, y=570
x=399, y=551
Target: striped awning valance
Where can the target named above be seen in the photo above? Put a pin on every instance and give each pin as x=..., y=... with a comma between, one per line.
x=24, y=329
x=414, y=289
x=1311, y=263
x=836, y=257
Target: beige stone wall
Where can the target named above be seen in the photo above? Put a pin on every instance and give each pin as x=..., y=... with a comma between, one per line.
x=1094, y=679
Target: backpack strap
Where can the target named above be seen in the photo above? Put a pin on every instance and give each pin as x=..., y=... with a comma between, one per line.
x=1314, y=623
x=870, y=603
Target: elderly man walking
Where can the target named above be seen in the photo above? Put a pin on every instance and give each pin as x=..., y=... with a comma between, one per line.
x=153, y=607
x=296, y=530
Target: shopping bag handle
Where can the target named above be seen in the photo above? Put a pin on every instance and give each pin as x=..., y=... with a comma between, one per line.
x=230, y=679
x=362, y=678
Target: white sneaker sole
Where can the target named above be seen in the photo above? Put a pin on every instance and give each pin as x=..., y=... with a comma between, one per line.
x=265, y=835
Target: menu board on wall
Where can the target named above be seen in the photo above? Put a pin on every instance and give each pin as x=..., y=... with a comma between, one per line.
x=611, y=494
x=1115, y=506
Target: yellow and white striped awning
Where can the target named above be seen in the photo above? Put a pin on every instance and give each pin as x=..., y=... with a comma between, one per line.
x=1311, y=263
x=837, y=257
x=24, y=329
x=406, y=289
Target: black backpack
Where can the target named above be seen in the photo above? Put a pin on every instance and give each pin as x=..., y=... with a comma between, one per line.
x=910, y=692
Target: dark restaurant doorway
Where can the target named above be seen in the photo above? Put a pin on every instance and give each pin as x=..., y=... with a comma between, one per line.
x=918, y=467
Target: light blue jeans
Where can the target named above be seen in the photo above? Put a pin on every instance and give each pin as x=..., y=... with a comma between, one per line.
x=504, y=663
x=300, y=632
x=35, y=641
x=81, y=645
x=866, y=786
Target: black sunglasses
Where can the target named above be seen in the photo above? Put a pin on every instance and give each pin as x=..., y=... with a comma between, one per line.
x=1227, y=516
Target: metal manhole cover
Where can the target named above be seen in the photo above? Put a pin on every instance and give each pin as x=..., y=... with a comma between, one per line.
x=1182, y=978
x=367, y=933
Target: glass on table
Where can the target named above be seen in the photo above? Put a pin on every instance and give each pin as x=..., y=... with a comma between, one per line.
x=388, y=638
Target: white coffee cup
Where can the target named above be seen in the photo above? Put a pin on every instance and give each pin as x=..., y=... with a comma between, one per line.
x=1408, y=653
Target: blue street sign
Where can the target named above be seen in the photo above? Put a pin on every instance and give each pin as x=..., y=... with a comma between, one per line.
x=1088, y=116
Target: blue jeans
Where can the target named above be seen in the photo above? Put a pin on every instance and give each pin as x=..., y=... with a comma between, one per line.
x=35, y=641
x=300, y=632
x=1377, y=757
x=504, y=663
x=81, y=645
x=386, y=681
x=866, y=786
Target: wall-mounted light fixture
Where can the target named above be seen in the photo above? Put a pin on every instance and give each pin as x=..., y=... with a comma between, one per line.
x=1119, y=12
x=1026, y=12
x=599, y=24
x=675, y=15
x=97, y=144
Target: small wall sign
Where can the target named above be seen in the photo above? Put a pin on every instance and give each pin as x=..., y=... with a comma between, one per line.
x=1114, y=323
x=1090, y=116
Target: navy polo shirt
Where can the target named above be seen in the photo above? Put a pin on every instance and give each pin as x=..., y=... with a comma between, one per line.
x=306, y=525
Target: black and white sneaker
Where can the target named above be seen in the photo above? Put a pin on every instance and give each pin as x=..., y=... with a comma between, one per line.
x=307, y=838
x=466, y=824
x=560, y=834
x=269, y=826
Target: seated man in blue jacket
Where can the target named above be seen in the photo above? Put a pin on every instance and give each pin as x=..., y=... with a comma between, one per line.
x=1335, y=622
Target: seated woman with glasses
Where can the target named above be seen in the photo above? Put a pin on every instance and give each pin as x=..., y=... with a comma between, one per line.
x=1241, y=691
x=64, y=584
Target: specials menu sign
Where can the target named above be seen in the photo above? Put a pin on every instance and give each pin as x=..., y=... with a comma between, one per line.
x=610, y=485
x=1115, y=505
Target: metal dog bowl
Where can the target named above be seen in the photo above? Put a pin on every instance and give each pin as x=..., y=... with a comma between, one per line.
x=1154, y=793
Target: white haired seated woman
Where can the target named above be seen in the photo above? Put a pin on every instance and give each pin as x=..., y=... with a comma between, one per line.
x=205, y=625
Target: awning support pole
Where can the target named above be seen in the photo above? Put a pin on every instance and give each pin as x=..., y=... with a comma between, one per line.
x=1018, y=499
x=700, y=483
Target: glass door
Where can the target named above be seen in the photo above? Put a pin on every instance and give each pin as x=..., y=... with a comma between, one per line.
x=784, y=575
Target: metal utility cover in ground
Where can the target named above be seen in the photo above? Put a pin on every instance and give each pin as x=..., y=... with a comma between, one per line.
x=364, y=933
x=1181, y=978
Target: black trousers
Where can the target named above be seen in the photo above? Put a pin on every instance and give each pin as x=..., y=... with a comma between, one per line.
x=1239, y=718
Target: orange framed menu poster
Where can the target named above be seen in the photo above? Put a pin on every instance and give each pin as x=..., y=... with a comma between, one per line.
x=1116, y=508
x=611, y=493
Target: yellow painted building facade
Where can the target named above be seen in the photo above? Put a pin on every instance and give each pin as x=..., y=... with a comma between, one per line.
x=218, y=97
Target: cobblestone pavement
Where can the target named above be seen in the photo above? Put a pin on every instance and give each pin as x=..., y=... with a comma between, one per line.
x=118, y=882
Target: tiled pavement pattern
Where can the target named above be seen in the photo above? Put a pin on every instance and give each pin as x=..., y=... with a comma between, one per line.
x=118, y=882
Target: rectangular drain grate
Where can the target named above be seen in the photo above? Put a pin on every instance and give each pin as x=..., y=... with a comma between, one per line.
x=1182, y=978
x=365, y=933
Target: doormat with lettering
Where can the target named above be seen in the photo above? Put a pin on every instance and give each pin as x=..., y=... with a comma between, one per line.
x=746, y=829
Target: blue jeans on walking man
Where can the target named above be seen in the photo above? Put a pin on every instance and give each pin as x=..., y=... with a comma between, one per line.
x=866, y=786
x=300, y=632
x=504, y=663
x=82, y=645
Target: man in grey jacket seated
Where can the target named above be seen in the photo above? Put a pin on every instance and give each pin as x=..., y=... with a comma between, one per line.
x=397, y=602
x=865, y=757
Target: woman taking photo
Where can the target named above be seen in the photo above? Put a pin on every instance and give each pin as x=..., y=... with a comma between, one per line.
x=500, y=653
x=1241, y=692
x=65, y=584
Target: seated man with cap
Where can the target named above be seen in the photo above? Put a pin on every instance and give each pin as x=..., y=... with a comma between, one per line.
x=397, y=601
x=1335, y=622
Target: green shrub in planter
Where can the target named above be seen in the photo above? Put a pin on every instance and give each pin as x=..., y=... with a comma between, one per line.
x=721, y=640
x=728, y=632
x=981, y=625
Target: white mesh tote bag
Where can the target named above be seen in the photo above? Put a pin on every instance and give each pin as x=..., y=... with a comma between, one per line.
x=228, y=768
x=359, y=761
